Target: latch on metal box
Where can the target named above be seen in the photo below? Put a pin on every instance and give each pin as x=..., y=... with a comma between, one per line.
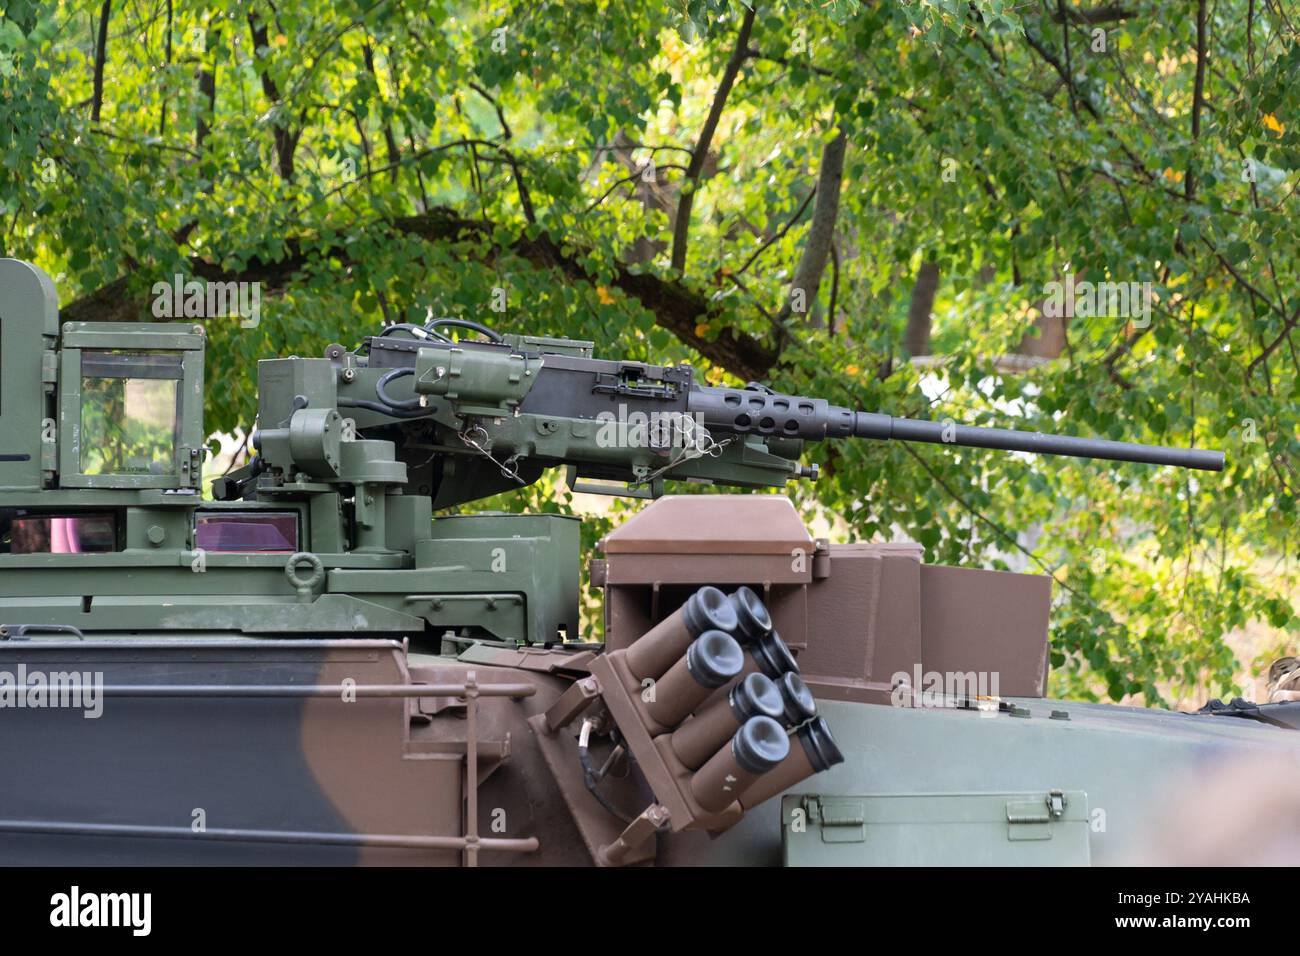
x=842, y=819
x=1028, y=820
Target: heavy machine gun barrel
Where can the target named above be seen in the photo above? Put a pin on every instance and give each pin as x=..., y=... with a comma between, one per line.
x=873, y=425
x=754, y=409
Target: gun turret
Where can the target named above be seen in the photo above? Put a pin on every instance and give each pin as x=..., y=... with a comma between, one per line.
x=474, y=418
x=102, y=446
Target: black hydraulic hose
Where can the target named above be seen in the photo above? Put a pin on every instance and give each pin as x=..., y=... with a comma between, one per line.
x=383, y=409
x=402, y=404
x=591, y=779
x=387, y=405
x=432, y=328
x=402, y=326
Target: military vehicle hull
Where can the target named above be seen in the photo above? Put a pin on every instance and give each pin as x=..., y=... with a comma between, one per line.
x=210, y=752
x=308, y=667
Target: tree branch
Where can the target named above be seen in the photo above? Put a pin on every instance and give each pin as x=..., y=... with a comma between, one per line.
x=817, y=246
x=101, y=49
x=676, y=307
x=390, y=141
x=798, y=214
x=682, y=227
x=286, y=140
x=1272, y=346
x=832, y=322
x=501, y=116
x=208, y=91
x=756, y=54
x=1065, y=43
x=1198, y=98
x=1111, y=13
x=167, y=61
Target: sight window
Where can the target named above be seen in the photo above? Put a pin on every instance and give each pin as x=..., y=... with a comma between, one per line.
x=247, y=532
x=58, y=534
x=130, y=412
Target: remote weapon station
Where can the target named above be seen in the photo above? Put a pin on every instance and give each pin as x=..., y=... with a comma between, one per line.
x=310, y=665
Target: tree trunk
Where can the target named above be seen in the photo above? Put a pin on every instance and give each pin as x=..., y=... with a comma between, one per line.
x=817, y=247
x=916, y=340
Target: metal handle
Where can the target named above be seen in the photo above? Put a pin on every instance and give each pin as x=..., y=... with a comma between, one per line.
x=22, y=630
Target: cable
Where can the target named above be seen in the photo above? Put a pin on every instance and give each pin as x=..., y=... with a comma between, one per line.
x=371, y=406
x=591, y=777
x=433, y=326
x=405, y=327
x=387, y=405
x=406, y=404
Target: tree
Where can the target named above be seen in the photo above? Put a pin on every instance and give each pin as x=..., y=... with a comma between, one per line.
x=749, y=188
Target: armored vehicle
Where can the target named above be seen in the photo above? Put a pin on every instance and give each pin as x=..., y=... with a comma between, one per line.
x=315, y=664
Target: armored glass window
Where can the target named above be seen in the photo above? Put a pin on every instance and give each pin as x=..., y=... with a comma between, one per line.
x=58, y=534
x=247, y=531
x=130, y=412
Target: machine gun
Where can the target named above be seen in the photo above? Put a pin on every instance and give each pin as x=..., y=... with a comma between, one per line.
x=472, y=418
x=331, y=524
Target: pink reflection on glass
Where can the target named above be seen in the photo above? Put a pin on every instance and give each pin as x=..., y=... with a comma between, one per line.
x=248, y=533
x=63, y=536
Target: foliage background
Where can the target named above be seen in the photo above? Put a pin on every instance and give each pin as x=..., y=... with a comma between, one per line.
x=644, y=176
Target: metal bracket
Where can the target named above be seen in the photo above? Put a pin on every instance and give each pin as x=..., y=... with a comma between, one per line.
x=571, y=703
x=636, y=843
x=655, y=490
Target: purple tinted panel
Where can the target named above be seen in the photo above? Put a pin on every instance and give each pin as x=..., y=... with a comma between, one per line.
x=243, y=531
x=63, y=534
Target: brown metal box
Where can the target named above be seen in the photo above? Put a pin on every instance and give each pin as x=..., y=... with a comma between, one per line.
x=993, y=622
x=864, y=621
